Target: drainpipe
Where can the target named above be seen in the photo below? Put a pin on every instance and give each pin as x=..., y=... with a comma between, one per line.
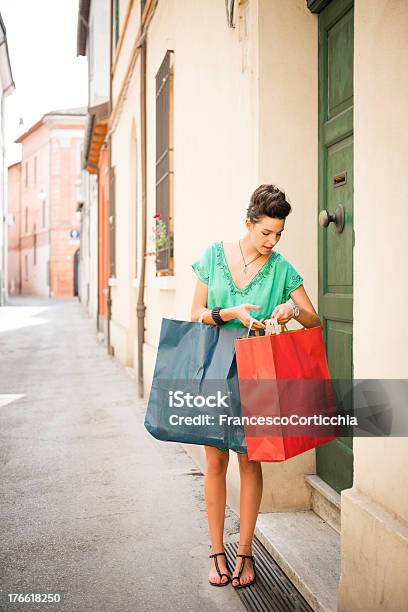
x=141, y=308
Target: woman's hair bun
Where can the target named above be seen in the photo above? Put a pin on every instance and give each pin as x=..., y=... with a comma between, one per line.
x=268, y=200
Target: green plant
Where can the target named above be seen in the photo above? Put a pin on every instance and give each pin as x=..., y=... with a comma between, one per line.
x=160, y=236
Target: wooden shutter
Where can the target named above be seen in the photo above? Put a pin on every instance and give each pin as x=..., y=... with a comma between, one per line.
x=112, y=222
x=163, y=155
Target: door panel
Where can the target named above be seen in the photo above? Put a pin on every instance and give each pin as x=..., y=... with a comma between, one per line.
x=334, y=461
x=340, y=63
x=339, y=247
x=340, y=343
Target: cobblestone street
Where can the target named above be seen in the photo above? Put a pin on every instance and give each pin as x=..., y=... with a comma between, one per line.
x=92, y=506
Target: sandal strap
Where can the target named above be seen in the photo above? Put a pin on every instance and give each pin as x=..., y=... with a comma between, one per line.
x=214, y=556
x=248, y=557
x=241, y=569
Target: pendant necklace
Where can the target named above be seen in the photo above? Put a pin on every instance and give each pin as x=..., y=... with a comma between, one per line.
x=243, y=259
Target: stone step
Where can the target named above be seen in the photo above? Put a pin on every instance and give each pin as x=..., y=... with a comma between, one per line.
x=325, y=501
x=307, y=549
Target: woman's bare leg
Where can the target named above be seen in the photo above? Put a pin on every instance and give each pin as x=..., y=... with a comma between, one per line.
x=215, y=491
x=250, y=500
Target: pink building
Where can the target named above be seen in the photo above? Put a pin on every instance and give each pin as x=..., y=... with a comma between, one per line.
x=14, y=230
x=45, y=202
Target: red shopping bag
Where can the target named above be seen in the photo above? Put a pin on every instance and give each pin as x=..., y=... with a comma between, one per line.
x=285, y=375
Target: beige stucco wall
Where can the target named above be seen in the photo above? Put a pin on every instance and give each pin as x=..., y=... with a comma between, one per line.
x=214, y=136
x=287, y=141
x=124, y=294
x=215, y=160
x=230, y=101
x=245, y=112
x=380, y=220
x=288, y=125
x=125, y=156
x=375, y=510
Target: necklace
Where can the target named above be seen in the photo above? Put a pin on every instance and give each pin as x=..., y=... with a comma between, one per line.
x=243, y=258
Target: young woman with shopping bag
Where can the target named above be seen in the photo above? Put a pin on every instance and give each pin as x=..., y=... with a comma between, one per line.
x=234, y=280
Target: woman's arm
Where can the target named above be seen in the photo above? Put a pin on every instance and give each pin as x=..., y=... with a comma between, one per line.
x=308, y=317
x=227, y=314
x=200, y=303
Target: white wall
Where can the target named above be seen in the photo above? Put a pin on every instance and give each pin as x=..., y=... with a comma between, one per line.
x=98, y=51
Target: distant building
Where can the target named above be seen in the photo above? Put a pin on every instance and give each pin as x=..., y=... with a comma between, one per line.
x=6, y=88
x=14, y=275
x=49, y=182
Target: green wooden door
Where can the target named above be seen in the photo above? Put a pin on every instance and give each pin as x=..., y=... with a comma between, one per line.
x=335, y=459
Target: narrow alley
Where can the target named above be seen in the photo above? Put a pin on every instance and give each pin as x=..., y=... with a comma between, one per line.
x=85, y=487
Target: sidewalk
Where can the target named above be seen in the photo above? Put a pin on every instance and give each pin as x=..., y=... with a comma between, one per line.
x=93, y=506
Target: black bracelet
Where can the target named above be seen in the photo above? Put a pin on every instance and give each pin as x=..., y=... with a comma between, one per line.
x=215, y=313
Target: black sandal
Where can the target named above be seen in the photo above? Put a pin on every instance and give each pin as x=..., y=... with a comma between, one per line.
x=241, y=569
x=220, y=584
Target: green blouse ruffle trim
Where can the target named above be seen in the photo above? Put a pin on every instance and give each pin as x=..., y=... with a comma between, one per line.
x=261, y=274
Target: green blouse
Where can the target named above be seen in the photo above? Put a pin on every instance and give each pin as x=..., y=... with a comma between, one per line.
x=271, y=285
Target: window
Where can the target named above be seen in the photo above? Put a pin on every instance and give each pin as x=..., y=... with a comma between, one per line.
x=26, y=220
x=26, y=175
x=164, y=161
x=35, y=245
x=26, y=267
x=43, y=213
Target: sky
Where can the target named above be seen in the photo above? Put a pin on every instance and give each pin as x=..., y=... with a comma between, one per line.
x=48, y=75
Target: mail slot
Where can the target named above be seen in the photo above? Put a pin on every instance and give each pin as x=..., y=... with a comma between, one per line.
x=340, y=179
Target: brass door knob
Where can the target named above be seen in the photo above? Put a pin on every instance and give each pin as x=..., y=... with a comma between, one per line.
x=325, y=218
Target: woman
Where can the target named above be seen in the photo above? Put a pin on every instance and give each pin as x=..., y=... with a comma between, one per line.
x=233, y=280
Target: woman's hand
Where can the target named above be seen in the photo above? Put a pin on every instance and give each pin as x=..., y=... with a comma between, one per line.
x=283, y=313
x=241, y=313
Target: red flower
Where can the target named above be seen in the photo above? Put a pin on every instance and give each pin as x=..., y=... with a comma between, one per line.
x=157, y=216
x=147, y=254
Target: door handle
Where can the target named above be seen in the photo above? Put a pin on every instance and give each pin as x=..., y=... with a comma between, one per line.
x=325, y=218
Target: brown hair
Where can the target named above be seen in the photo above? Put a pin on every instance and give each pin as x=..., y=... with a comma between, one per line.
x=268, y=200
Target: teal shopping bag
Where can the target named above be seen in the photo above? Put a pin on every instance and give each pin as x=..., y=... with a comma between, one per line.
x=194, y=396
